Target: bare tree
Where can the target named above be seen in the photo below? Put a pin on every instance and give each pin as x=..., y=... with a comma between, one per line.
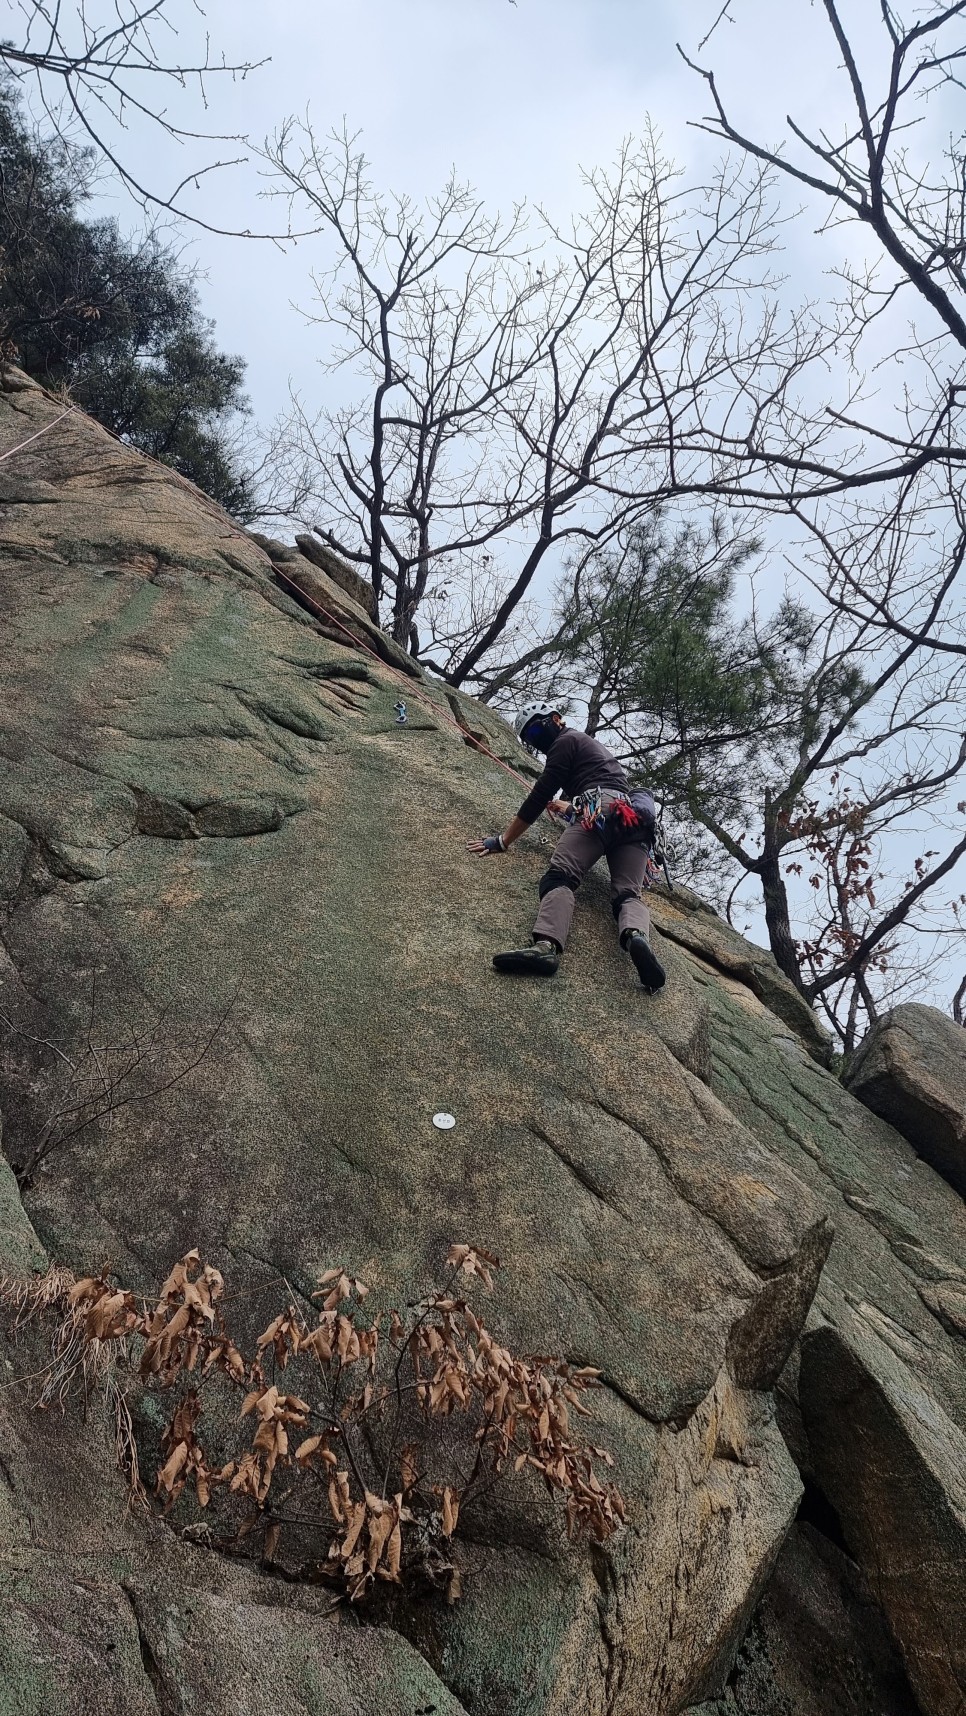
x=523, y=401
x=96, y=65
x=898, y=466
x=886, y=726
x=645, y=341
x=874, y=480
x=435, y=310
x=871, y=937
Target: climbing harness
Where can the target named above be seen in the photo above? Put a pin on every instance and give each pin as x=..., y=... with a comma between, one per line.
x=603, y=812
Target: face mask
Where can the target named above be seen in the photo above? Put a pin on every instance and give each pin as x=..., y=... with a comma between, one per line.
x=541, y=735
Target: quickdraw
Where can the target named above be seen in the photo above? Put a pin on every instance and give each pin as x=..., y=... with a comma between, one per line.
x=652, y=872
x=587, y=809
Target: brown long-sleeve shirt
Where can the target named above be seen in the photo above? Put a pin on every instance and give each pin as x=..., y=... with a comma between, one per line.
x=575, y=763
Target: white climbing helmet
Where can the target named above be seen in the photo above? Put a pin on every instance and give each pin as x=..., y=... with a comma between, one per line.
x=531, y=713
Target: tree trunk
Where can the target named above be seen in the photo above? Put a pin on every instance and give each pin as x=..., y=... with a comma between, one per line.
x=780, y=936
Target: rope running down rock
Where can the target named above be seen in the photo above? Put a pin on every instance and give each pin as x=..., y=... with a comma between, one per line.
x=387, y=667
x=354, y=640
x=36, y=437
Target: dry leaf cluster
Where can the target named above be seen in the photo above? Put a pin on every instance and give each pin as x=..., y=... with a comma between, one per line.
x=400, y=1422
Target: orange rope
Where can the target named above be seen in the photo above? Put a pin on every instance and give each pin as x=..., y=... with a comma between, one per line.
x=387, y=667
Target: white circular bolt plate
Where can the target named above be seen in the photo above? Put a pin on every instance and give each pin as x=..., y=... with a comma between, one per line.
x=444, y=1122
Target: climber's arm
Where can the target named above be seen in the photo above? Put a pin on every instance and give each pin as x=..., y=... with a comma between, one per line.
x=544, y=793
x=513, y=830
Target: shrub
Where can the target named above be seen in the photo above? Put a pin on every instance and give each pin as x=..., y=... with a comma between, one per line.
x=365, y=1438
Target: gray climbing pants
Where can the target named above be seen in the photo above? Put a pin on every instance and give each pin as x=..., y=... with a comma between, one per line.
x=576, y=852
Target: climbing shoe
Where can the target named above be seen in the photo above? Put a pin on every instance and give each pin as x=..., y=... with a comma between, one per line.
x=649, y=968
x=540, y=960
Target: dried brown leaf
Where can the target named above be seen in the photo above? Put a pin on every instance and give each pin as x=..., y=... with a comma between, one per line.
x=451, y=1510
x=170, y=1470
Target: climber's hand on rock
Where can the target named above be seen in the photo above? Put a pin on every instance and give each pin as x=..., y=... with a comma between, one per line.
x=487, y=847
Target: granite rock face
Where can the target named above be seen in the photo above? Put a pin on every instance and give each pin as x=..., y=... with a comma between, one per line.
x=211, y=816
x=102, y=1614
x=348, y=580
x=891, y=1294
x=911, y=1069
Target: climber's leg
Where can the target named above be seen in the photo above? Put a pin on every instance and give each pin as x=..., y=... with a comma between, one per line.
x=573, y=855
x=576, y=852
x=628, y=866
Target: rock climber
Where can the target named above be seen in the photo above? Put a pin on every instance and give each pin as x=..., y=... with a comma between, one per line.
x=584, y=785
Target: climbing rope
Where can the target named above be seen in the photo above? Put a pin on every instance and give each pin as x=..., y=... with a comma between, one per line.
x=21, y=444
x=387, y=667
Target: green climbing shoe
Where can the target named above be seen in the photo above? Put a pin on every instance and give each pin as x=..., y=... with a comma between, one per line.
x=649, y=968
x=540, y=960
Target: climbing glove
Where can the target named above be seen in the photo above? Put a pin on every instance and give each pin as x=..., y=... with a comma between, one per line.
x=493, y=843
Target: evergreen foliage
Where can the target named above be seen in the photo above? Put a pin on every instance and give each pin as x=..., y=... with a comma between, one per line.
x=115, y=322
x=714, y=707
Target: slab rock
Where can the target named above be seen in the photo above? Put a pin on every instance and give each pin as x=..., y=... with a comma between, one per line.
x=75, y=1641
x=337, y=596
x=687, y=920
x=219, y=842
x=340, y=573
x=107, y=1612
x=911, y=1069
x=227, y=838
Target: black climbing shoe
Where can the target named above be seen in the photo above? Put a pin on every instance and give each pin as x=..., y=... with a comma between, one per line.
x=540, y=960
x=649, y=968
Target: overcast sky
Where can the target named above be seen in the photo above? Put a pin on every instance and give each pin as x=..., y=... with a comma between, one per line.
x=518, y=97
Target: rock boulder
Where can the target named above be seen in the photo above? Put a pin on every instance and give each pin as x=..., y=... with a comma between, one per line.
x=911, y=1069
